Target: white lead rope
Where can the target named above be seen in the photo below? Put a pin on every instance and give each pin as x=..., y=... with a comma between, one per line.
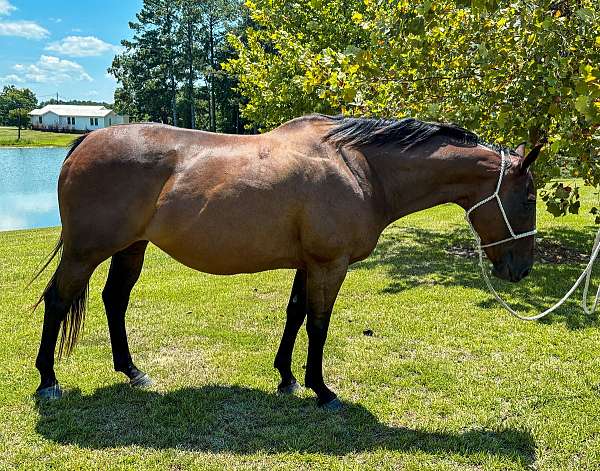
x=586, y=274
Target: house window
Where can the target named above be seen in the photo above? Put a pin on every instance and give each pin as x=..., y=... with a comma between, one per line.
x=68, y=120
x=40, y=119
x=73, y=120
x=91, y=121
x=95, y=121
x=110, y=121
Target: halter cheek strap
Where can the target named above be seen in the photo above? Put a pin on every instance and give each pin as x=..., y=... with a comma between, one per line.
x=504, y=165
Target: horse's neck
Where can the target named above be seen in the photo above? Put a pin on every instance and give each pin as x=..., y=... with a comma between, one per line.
x=414, y=181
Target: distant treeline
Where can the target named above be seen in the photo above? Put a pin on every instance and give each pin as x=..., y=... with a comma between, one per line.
x=170, y=70
x=53, y=101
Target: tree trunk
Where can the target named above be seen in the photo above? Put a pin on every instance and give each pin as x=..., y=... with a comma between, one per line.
x=171, y=70
x=191, y=98
x=19, y=130
x=211, y=88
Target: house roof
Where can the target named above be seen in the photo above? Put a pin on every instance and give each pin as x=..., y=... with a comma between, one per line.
x=72, y=110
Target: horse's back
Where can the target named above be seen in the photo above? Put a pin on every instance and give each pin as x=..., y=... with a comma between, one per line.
x=236, y=205
x=217, y=203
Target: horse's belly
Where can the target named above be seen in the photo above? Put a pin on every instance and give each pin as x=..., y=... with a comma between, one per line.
x=221, y=259
x=228, y=242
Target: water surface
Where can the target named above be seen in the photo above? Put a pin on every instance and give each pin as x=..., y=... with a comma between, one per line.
x=28, y=180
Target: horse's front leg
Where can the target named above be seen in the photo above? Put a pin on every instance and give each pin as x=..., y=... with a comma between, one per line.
x=323, y=284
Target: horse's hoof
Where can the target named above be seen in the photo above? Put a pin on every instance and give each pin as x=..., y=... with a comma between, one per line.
x=50, y=393
x=141, y=381
x=332, y=406
x=289, y=388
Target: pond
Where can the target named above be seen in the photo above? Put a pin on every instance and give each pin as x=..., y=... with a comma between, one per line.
x=28, y=180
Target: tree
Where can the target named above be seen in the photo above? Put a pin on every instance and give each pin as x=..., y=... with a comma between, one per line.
x=511, y=71
x=217, y=18
x=171, y=67
x=15, y=104
x=148, y=70
x=21, y=116
x=189, y=33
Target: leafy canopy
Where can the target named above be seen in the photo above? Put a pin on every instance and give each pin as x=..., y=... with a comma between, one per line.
x=15, y=103
x=510, y=71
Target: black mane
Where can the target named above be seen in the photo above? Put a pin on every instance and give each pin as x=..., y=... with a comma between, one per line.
x=404, y=133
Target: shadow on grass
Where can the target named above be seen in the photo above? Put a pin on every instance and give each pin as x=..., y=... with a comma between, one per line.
x=244, y=420
x=415, y=257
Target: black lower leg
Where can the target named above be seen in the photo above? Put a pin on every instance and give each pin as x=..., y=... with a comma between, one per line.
x=316, y=328
x=323, y=284
x=125, y=269
x=116, y=304
x=54, y=312
x=296, y=312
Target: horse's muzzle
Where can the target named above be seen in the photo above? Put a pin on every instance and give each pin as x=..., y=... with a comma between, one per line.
x=506, y=272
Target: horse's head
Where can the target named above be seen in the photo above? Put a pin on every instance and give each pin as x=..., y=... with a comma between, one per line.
x=506, y=223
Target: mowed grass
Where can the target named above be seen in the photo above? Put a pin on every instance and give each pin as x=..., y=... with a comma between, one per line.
x=447, y=381
x=31, y=138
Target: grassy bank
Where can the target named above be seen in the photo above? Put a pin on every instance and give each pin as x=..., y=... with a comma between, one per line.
x=30, y=138
x=447, y=381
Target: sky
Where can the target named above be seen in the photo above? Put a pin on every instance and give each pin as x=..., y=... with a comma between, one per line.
x=62, y=46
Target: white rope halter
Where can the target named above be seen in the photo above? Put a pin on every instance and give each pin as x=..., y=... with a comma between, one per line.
x=587, y=272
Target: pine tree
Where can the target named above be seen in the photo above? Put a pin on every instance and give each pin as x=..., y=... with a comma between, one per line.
x=148, y=69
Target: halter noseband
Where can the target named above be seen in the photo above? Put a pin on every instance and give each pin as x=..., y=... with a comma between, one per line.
x=504, y=165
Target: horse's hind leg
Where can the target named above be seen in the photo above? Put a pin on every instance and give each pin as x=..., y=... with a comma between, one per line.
x=296, y=312
x=125, y=269
x=64, y=302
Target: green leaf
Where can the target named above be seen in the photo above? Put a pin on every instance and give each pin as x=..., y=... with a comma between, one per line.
x=582, y=104
x=574, y=208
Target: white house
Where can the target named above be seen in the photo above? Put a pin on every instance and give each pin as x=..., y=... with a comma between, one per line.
x=74, y=118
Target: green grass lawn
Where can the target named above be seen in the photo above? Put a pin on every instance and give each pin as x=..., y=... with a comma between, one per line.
x=447, y=381
x=30, y=138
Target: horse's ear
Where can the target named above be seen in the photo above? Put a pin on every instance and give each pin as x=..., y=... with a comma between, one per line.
x=520, y=150
x=533, y=154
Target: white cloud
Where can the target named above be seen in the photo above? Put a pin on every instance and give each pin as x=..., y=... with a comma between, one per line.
x=11, y=79
x=50, y=69
x=23, y=29
x=81, y=46
x=6, y=8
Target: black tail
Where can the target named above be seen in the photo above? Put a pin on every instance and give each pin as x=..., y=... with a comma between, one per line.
x=72, y=323
x=78, y=140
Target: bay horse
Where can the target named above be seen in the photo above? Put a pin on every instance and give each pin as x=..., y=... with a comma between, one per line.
x=312, y=195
